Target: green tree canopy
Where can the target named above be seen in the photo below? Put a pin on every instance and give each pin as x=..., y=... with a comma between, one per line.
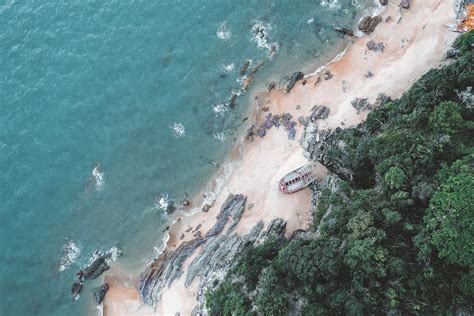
x=450, y=215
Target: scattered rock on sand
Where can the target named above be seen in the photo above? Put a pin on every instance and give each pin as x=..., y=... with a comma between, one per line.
x=265, y=109
x=369, y=74
x=327, y=75
x=452, y=53
x=383, y=2
x=368, y=23
x=319, y=112
x=375, y=46
x=405, y=4
x=188, y=229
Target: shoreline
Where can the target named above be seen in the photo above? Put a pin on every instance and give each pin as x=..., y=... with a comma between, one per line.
x=263, y=161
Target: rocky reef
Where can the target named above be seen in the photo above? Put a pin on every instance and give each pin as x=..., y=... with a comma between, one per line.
x=220, y=248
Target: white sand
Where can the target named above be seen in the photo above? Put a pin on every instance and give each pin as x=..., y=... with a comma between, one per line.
x=415, y=42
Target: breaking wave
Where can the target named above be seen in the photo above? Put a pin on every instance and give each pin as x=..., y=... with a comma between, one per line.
x=260, y=36
x=222, y=31
x=178, y=129
x=332, y=4
x=69, y=254
x=98, y=176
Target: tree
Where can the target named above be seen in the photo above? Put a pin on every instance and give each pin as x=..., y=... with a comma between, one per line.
x=446, y=118
x=450, y=216
x=395, y=178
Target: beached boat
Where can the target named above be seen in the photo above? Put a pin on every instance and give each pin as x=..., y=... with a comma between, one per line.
x=298, y=179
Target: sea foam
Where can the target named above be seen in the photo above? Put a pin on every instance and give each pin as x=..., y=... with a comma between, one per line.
x=260, y=36
x=178, y=129
x=70, y=253
x=222, y=31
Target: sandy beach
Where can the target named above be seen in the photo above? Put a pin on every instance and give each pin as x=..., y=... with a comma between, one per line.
x=415, y=41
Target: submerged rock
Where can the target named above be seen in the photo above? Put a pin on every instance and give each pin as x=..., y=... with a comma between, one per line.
x=76, y=290
x=344, y=30
x=369, y=23
x=100, y=293
x=244, y=67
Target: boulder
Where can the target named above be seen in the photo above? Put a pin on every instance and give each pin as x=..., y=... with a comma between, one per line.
x=452, y=53
x=405, y=4
x=319, y=112
x=100, y=293
x=383, y=2
x=288, y=82
x=368, y=23
x=375, y=46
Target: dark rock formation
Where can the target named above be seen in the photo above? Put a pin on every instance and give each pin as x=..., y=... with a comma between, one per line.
x=232, y=103
x=405, y=4
x=368, y=23
x=257, y=66
x=76, y=290
x=375, y=46
x=383, y=2
x=288, y=82
x=317, y=145
x=452, y=53
x=344, y=30
x=218, y=255
x=271, y=85
x=100, y=293
x=319, y=112
x=244, y=67
x=327, y=75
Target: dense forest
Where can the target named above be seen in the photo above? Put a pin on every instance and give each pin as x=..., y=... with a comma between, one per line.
x=398, y=237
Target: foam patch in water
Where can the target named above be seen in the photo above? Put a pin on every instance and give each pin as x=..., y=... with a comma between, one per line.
x=70, y=253
x=178, y=129
x=222, y=32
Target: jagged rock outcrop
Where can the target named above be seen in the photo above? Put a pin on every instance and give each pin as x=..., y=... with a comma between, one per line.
x=368, y=23
x=100, y=293
x=318, y=112
x=317, y=145
x=220, y=251
x=288, y=82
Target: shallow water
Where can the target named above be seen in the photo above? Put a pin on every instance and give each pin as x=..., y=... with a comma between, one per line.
x=139, y=87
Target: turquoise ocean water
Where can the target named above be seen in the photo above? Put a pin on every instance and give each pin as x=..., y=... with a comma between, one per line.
x=140, y=88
